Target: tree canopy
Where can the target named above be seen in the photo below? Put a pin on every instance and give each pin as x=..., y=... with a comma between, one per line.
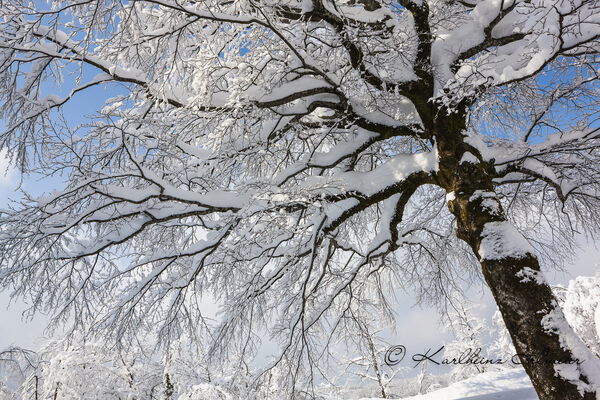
x=299, y=162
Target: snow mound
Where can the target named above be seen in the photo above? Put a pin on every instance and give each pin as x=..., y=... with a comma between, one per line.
x=512, y=384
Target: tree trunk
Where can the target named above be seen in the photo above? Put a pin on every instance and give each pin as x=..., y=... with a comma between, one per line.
x=525, y=302
x=512, y=271
x=375, y=363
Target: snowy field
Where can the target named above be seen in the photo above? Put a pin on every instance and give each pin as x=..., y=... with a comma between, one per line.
x=510, y=384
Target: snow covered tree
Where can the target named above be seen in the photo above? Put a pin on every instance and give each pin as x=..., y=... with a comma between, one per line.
x=79, y=370
x=467, y=348
x=294, y=159
x=424, y=380
x=582, y=300
x=206, y=391
x=18, y=372
x=185, y=365
x=369, y=363
x=5, y=393
x=70, y=368
x=502, y=346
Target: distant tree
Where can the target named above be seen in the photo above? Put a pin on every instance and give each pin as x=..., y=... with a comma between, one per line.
x=468, y=344
x=581, y=300
x=185, y=365
x=424, y=379
x=5, y=393
x=501, y=346
x=597, y=320
x=169, y=387
x=207, y=392
x=70, y=368
x=76, y=370
x=18, y=369
x=297, y=158
x=368, y=360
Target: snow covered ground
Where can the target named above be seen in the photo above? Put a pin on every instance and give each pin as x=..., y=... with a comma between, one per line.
x=510, y=384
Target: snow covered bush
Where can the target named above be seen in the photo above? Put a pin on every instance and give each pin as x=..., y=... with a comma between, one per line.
x=206, y=391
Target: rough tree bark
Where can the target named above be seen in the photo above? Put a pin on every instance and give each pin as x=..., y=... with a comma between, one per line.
x=523, y=302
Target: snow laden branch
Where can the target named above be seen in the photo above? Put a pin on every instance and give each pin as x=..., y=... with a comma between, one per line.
x=295, y=163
